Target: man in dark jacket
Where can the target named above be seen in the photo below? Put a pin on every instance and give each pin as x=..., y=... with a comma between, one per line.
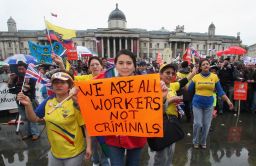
x=16, y=84
x=226, y=76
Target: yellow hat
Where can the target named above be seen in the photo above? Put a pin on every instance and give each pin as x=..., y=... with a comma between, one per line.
x=165, y=66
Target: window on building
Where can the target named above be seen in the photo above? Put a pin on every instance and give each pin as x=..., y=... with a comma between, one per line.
x=150, y=45
x=145, y=44
x=165, y=45
x=157, y=45
x=213, y=46
x=204, y=46
x=197, y=46
x=83, y=44
x=9, y=44
x=22, y=45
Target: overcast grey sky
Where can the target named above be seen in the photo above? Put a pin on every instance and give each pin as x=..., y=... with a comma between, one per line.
x=229, y=16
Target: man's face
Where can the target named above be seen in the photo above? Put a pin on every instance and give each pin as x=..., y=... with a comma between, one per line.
x=104, y=61
x=5, y=68
x=225, y=62
x=21, y=70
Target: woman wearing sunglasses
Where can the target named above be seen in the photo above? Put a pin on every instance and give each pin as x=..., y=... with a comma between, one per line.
x=168, y=75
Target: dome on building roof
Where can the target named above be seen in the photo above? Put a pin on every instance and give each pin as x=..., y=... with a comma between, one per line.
x=11, y=20
x=163, y=30
x=117, y=15
x=211, y=25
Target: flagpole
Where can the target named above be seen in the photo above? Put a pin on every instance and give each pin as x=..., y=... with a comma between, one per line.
x=48, y=34
x=19, y=118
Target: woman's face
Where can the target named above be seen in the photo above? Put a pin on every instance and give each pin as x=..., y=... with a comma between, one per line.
x=95, y=67
x=60, y=87
x=168, y=75
x=205, y=66
x=125, y=65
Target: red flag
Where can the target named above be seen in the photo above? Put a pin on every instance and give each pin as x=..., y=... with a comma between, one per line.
x=187, y=55
x=54, y=15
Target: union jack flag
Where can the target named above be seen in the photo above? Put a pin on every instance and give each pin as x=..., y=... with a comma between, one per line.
x=32, y=73
x=194, y=52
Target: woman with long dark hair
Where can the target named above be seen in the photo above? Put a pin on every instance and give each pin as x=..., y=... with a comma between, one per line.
x=204, y=84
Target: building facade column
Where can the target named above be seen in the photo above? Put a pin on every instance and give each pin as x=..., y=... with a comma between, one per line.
x=102, y=47
x=170, y=46
x=148, y=49
x=138, y=47
x=120, y=43
x=175, y=49
x=114, y=47
x=18, y=47
x=184, y=47
x=125, y=43
x=2, y=50
x=131, y=45
x=207, y=49
x=13, y=48
x=108, y=47
x=5, y=50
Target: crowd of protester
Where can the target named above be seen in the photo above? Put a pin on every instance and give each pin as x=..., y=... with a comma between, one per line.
x=179, y=83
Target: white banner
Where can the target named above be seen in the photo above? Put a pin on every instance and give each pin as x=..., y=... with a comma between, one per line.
x=7, y=100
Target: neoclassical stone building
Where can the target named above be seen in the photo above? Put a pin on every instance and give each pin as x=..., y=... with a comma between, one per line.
x=107, y=41
x=252, y=50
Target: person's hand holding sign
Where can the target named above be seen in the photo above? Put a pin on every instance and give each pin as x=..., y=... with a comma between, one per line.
x=164, y=89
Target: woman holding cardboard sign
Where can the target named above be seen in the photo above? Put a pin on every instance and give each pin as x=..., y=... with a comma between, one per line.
x=125, y=65
x=64, y=122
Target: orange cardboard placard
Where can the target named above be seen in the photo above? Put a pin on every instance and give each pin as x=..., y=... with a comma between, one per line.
x=130, y=106
x=240, y=90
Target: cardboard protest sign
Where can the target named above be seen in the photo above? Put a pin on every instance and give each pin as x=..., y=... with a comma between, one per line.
x=240, y=90
x=7, y=100
x=129, y=106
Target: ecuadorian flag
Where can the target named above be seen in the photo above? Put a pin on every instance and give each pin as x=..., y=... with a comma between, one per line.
x=65, y=33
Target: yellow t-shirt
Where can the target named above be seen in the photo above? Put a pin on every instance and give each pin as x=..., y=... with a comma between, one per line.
x=171, y=109
x=181, y=75
x=64, y=129
x=83, y=77
x=204, y=86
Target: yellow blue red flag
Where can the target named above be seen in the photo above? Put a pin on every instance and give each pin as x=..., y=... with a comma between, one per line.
x=63, y=32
